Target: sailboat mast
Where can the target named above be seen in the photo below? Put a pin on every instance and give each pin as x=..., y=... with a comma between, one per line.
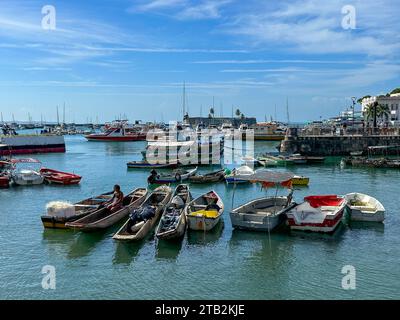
x=184, y=100
x=287, y=110
x=58, y=117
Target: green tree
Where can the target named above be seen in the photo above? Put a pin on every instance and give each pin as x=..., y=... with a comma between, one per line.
x=212, y=111
x=361, y=99
x=394, y=91
x=373, y=110
x=383, y=111
x=237, y=113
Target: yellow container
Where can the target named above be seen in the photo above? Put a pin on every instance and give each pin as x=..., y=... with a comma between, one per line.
x=205, y=213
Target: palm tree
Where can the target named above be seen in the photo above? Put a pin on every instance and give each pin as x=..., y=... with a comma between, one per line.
x=238, y=113
x=374, y=109
x=212, y=111
x=383, y=111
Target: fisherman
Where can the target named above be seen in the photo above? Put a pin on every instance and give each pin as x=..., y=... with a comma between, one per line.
x=116, y=201
x=152, y=177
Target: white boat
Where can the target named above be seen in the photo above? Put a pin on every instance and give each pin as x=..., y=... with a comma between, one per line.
x=204, y=212
x=238, y=175
x=317, y=213
x=364, y=208
x=264, y=214
x=26, y=172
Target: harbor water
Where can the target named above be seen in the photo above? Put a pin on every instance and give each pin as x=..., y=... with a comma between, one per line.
x=222, y=264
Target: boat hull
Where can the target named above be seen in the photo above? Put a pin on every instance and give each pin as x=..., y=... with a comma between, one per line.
x=327, y=226
x=202, y=223
x=115, y=138
x=4, y=182
x=19, y=145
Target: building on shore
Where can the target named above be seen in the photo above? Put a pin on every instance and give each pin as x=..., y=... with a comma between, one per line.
x=391, y=101
x=218, y=121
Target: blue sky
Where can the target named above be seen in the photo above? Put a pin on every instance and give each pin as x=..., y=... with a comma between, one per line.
x=111, y=57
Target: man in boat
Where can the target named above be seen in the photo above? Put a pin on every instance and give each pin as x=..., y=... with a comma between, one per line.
x=116, y=201
x=152, y=177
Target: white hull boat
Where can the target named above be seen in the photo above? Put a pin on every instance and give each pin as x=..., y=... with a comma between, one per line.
x=263, y=214
x=27, y=178
x=364, y=208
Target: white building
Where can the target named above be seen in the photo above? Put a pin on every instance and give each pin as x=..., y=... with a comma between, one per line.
x=392, y=102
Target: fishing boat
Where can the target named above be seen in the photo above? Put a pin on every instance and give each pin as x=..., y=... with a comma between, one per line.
x=175, y=176
x=265, y=214
x=118, y=131
x=267, y=162
x=59, y=177
x=364, y=208
x=321, y=213
x=300, y=180
x=146, y=165
x=204, y=212
x=238, y=175
x=26, y=172
x=4, y=180
x=59, y=213
x=173, y=220
x=215, y=176
x=104, y=218
x=146, y=216
x=249, y=161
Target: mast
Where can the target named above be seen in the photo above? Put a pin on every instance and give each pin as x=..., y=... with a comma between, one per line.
x=58, y=117
x=64, y=114
x=275, y=114
x=287, y=110
x=184, y=100
x=2, y=121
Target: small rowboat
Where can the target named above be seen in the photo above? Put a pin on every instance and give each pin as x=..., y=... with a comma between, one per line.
x=267, y=162
x=59, y=177
x=4, y=180
x=204, y=212
x=208, y=177
x=56, y=217
x=300, y=181
x=146, y=165
x=104, y=218
x=156, y=203
x=176, y=176
x=173, y=220
x=364, y=208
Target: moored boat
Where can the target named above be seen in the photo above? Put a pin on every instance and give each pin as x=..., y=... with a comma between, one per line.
x=59, y=177
x=364, y=208
x=173, y=220
x=175, y=176
x=204, y=212
x=300, y=180
x=118, y=131
x=266, y=213
x=59, y=213
x=104, y=218
x=317, y=213
x=215, y=176
x=26, y=172
x=238, y=175
x=146, y=165
x=267, y=162
x=143, y=219
x=4, y=180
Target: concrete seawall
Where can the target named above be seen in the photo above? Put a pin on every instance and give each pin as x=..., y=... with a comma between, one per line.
x=334, y=145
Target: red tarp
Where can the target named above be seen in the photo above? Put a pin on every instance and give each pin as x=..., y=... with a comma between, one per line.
x=328, y=200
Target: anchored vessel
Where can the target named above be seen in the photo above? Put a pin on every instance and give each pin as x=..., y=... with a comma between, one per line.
x=29, y=144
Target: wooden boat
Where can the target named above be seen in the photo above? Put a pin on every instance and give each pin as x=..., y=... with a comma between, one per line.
x=57, y=217
x=173, y=220
x=300, y=181
x=59, y=177
x=238, y=175
x=178, y=175
x=4, y=180
x=215, y=176
x=157, y=200
x=146, y=165
x=104, y=218
x=317, y=213
x=364, y=208
x=265, y=214
x=204, y=212
x=267, y=162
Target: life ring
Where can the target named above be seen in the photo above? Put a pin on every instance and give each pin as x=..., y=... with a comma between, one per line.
x=178, y=177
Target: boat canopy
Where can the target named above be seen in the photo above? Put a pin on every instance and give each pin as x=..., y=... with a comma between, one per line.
x=27, y=160
x=270, y=178
x=325, y=200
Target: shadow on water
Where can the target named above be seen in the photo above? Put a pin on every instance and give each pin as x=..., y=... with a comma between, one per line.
x=168, y=249
x=85, y=243
x=336, y=236
x=126, y=252
x=370, y=226
x=205, y=238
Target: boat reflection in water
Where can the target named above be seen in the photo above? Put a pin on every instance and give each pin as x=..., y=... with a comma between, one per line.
x=86, y=242
x=126, y=253
x=211, y=237
x=169, y=249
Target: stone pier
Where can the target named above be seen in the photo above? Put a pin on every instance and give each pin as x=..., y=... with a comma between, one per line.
x=334, y=145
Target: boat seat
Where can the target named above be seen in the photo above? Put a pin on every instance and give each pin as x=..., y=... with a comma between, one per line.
x=265, y=213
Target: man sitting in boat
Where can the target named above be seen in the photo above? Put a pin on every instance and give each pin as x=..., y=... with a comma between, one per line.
x=116, y=201
x=152, y=177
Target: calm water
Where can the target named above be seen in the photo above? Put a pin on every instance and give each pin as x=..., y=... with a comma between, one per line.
x=218, y=265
